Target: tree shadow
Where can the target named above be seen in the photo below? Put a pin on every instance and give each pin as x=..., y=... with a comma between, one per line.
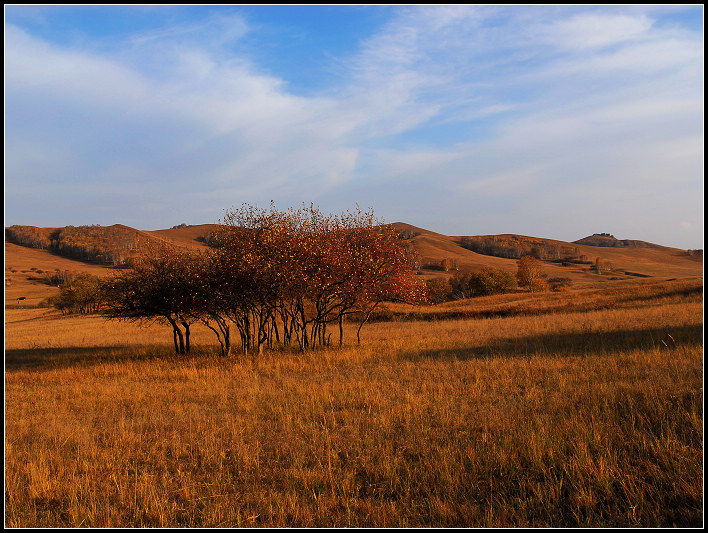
x=41, y=359
x=571, y=344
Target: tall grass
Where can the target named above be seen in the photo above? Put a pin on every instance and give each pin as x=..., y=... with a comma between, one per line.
x=583, y=418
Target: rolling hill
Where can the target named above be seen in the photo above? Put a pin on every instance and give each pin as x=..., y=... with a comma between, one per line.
x=650, y=261
x=26, y=267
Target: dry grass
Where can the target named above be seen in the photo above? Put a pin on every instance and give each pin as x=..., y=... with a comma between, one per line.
x=569, y=418
x=621, y=295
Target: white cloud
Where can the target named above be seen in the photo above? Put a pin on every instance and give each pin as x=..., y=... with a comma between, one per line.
x=555, y=103
x=595, y=30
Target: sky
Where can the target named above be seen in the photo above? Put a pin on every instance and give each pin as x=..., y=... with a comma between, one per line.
x=547, y=121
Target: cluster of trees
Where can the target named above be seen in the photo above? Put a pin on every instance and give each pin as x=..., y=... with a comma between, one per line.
x=82, y=294
x=485, y=282
x=530, y=276
x=30, y=236
x=274, y=277
x=517, y=246
x=58, y=277
x=112, y=245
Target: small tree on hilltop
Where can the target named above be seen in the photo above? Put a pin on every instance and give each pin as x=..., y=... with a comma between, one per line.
x=530, y=274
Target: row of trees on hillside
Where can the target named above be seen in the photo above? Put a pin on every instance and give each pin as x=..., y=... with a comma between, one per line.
x=111, y=245
x=517, y=246
x=30, y=236
x=285, y=277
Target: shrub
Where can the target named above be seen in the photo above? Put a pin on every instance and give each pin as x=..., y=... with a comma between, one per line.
x=486, y=282
x=530, y=274
x=560, y=284
x=439, y=290
x=83, y=294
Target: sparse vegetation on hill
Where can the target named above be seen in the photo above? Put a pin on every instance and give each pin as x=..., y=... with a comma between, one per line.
x=33, y=269
x=628, y=294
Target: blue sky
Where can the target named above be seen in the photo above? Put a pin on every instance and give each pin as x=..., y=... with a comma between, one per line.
x=551, y=121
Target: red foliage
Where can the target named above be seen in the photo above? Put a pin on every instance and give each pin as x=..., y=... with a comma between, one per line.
x=277, y=276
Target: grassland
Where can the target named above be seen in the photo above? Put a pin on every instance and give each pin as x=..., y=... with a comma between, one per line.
x=546, y=410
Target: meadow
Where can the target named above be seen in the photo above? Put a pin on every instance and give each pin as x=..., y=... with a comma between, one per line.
x=552, y=410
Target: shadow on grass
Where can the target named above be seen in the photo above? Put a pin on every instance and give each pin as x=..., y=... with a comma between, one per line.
x=79, y=356
x=572, y=344
x=692, y=292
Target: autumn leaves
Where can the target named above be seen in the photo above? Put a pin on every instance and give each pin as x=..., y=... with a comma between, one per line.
x=275, y=277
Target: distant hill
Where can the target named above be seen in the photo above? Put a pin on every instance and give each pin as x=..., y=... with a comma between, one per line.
x=436, y=252
x=106, y=245
x=193, y=236
x=607, y=240
x=31, y=253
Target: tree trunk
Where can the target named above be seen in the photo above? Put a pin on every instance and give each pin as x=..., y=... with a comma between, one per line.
x=341, y=329
x=368, y=314
x=177, y=334
x=186, y=337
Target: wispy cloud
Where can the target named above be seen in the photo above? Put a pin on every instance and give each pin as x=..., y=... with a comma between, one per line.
x=590, y=31
x=511, y=108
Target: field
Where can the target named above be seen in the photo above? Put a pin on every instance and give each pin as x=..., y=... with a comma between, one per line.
x=552, y=410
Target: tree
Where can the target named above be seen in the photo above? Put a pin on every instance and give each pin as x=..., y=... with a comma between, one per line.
x=82, y=294
x=159, y=287
x=600, y=266
x=275, y=276
x=530, y=275
x=491, y=281
x=302, y=271
x=439, y=290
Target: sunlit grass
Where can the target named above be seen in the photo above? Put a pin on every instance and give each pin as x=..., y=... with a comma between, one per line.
x=579, y=418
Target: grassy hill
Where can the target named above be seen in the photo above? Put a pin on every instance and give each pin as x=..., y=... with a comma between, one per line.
x=627, y=263
x=30, y=256
x=548, y=409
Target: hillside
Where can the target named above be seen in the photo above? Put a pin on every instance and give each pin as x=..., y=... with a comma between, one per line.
x=27, y=267
x=627, y=263
x=190, y=236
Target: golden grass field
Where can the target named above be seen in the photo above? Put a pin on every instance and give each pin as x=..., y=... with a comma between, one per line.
x=560, y=418
x=570, y=409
